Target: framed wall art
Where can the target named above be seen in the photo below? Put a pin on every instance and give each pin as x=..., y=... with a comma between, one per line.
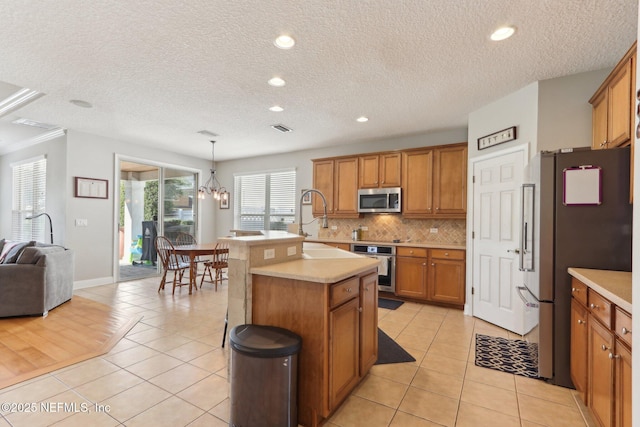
x=306, y=200
x=91, y=188
x=224, y=200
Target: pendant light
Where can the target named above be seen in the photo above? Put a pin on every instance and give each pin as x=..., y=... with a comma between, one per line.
x=212, y=186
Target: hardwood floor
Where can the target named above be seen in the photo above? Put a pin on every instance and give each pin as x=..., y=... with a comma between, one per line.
x=75, y=331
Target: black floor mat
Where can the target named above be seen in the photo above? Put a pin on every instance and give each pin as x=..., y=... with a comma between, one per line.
x=389, y=304
x=390, y=352
x=513, y=356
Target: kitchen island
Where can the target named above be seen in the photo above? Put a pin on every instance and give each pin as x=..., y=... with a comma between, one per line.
x=325, y=295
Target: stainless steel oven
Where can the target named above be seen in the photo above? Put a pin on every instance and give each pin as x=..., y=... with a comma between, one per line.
x=386, y=255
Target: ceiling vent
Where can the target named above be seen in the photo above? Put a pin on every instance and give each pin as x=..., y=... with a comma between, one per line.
x=35, y=124
x=281, y=128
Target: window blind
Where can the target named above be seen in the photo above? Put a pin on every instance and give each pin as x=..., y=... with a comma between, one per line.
x=265, y=201
x=29, y=198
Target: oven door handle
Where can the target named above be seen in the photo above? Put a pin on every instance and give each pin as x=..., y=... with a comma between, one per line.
x=524, y=299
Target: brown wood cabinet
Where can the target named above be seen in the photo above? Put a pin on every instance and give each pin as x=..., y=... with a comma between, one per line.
x=450, y=180
x=579, y=345
x=411, y=272
x=613, y=105
x=343, y=246
x=601, y=391
x=337, y=179
x=368, y=322
x=601, y=362
x=379, y=170
x=446, y=276
x=337, y=323
x=417, y=175
x=434, y=182
x=435, y=275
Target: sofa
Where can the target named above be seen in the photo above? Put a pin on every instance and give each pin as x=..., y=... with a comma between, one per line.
x=34, y=278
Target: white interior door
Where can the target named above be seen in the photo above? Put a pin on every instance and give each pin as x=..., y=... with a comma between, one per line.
x=496, y=239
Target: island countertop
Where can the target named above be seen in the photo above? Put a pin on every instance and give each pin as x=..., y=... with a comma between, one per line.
x=321, y=270
x=613, y=285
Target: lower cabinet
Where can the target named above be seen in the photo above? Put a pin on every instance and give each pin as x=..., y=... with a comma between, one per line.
x=368, y=322
x=344, y=350
x=338, y=324
x=600, y=373
x=601, y=356
x=411, y=272
x=435, y=275
x=579, y=345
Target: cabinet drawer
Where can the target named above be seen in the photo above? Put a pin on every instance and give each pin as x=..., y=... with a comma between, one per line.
x=411, y=252
x=600, y=307
x=447, y=254
x=623, y=325
x=344, y=291
x=579, y=291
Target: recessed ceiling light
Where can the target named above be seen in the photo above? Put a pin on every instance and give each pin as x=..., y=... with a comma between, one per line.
x=277, y=82
x=276, y=108
x=362, y=119
x=81, y=104
x=206, y=132
x=284, y=42
x=502, y=33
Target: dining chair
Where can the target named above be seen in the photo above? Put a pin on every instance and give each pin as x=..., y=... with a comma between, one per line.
x=219, y=263
x=170, y=262
x=184, y=239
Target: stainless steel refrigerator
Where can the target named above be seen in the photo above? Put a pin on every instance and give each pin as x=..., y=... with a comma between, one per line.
x=567, y=221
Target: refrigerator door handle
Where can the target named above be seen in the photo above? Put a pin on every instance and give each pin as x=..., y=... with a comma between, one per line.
x=524, y=299
x=527, y=227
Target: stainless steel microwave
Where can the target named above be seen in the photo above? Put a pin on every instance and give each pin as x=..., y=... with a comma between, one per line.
x=379, y=200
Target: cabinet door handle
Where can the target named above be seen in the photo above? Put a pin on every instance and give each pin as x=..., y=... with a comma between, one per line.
x=594, y=306
x=360, y=309
x=605, y=348
x=575, y=290
x=625, y=331
x=348, y=290
x=432, y=264
x=614, y=356
x=604, y=143
x=581, y=322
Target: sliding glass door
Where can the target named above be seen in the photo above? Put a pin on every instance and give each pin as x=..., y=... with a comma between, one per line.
x=141, y=219
x=179, y=198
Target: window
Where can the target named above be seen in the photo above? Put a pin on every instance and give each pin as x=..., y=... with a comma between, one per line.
x=265, y=201
x=29, y=196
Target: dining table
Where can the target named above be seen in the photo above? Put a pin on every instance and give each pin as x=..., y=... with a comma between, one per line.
x=193, y=251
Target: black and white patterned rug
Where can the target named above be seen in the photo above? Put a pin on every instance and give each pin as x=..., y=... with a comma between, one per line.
x=513, y=356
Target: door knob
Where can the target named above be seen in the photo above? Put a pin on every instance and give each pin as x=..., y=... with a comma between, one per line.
x=517, y=251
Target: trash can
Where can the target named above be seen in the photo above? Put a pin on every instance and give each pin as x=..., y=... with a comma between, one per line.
x=264, y=376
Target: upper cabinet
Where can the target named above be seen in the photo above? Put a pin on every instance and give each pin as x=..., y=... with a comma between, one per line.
x=614, y=105
x=379, y=170
x=337, y=179
x=434, y=182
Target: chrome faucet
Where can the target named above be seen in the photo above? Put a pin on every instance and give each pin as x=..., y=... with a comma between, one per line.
x=325, y=224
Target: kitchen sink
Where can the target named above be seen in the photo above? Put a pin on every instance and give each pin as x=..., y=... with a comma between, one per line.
x=326, y=252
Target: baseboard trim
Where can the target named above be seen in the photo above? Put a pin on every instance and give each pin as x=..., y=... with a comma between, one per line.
x=81, y=284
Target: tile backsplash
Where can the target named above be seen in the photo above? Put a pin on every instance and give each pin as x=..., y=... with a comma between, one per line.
x=390, y=227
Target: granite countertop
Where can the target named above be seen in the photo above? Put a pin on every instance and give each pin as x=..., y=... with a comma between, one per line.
x=613, y=285
x=433, y=245
x=322, y=269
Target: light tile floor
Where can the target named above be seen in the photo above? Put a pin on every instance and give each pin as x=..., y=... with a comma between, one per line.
x=170, y=370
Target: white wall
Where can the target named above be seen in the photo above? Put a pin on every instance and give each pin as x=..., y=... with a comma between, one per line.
x=55, y=152
x=301, y=161
x=94, y=157
x=564, y=112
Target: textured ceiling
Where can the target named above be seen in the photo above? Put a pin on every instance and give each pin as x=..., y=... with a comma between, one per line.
x=158, y=71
